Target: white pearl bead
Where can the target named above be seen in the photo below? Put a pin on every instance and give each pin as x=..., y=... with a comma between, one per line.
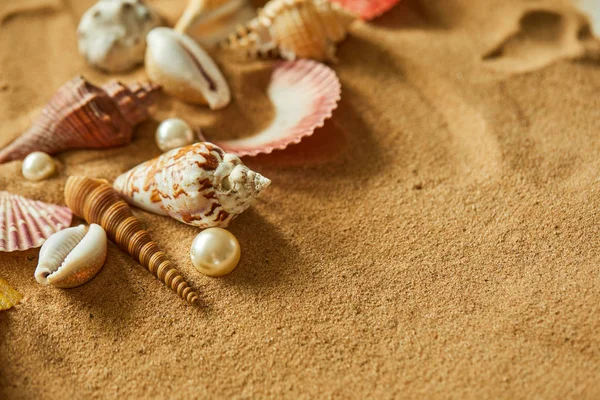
x=38, y=166
x=173, y=133
x=215, y=252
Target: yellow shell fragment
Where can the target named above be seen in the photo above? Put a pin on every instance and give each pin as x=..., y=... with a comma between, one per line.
x=294, y=29
x=9, y=297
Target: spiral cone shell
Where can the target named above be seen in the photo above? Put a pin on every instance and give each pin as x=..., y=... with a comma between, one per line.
x=294, y=29
x=97, y=202
x=199, y=185
x=81, y=115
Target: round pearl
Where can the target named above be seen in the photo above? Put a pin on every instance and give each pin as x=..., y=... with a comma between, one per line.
x=38, y=166
x=173, y=133
x=215, y=252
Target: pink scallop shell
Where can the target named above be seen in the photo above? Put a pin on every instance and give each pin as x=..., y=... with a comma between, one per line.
x=367, y=9
x=26, y=223
x=304, y=94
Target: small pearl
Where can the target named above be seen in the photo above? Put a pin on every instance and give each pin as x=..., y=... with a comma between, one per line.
x=173, y=133
x=215, y=252
x=38, y=166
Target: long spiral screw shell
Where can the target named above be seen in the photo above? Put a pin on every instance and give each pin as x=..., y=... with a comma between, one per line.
x=97, y=202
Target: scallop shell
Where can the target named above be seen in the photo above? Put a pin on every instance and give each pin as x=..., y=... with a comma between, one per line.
x=304, y=94
x=367, y=9
x=9, y=297
x=294, y=29
x=72, y=257
x=98, y=203
x=81, y=115
x=198, y=185
x=26, y=223
x=211, y=21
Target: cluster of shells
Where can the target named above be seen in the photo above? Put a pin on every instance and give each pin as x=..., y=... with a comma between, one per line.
x=203, y=184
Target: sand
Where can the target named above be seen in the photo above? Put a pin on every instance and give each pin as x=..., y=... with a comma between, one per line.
x=437, y=239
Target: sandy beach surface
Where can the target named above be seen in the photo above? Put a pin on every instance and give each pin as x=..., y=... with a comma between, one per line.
x=438, y=238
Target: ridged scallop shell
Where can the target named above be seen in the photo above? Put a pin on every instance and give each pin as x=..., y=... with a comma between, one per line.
x=9, y=297
x=304, y=94
x=98, y=203
x=211, y=21
x=72, y=257
x=26, y=223
x=367, y=9
x=198, y=185
x=294, y=29
x=81, y=115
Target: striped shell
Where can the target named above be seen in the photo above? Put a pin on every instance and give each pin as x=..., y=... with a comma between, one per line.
x=198, y=185
x=26, y=223
x=81, y=115
x=98, y=203
x=304, y=94
x=294, y=29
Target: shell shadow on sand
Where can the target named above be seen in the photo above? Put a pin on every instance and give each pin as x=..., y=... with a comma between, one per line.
x=539, y=37
x=415, y=14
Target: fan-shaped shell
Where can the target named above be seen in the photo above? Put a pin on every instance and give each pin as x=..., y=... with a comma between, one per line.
x=9, y=297
x=294, y=29
x=26, y=223
x=81, y=115
x=304, y=94
x=367, y=9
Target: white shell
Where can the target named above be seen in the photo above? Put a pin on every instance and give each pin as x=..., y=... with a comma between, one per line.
x=173, y=133
x=184, y=70
x=38, y=166
x=199, y=185
x=592, y=9
x=112, y=34
x=72, y=257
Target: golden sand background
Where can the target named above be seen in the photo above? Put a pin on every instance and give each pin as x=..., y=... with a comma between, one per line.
x=438, y=239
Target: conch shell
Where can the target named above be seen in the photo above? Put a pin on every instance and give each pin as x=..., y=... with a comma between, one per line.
x=97, y=202
x=72, y=257
x=294, y=29
x=211, y=21
x=198, y=185
x=81, y=115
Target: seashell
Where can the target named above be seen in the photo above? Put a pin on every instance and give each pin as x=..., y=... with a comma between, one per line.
x=198, y=185
x=294, y=29
x=210, y=21
x=367, y=9
x=81, y=115
x=98, y=203
x=112, y=34
x=316, y=91
x=72, y=257
x=9, y=297
x=177, y=63
x=26, y=223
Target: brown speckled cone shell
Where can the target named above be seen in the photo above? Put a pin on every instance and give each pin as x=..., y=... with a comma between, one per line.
x=97, y=202
x=81, y=115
